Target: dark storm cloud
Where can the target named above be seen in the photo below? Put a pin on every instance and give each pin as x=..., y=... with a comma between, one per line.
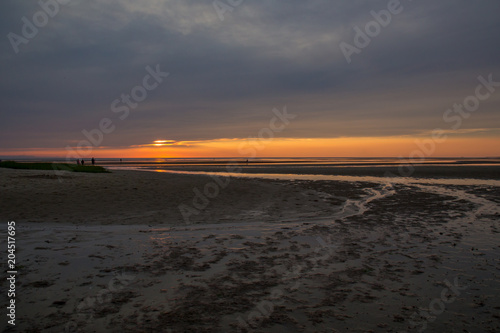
x=226, y=76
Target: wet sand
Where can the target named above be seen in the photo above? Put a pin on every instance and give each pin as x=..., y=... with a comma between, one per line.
x=112, y=253
x=438, y=170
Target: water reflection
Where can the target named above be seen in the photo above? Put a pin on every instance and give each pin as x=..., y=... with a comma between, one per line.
x=370, y=179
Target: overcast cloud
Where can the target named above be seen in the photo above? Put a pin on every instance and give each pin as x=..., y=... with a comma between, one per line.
x=226, y=76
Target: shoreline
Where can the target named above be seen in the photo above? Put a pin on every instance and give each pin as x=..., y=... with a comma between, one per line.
x=326, y=177
x=485, y=172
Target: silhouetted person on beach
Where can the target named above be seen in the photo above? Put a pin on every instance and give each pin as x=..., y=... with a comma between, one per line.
x=83, y=161
x=77, y=161
x=93, y=161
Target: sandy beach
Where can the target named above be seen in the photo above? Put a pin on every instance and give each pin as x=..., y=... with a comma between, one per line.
x=250, y=166
x=138, y=197
x=115, y=253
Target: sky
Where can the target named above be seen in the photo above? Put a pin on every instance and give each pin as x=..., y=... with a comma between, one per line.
x=240, y=78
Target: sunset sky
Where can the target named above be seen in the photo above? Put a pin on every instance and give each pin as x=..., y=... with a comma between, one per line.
x=249, y=78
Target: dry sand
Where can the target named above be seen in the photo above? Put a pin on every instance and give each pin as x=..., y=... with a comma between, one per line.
x=112, y=253
x=138, y=197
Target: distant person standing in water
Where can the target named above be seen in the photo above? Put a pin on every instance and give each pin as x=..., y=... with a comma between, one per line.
x=93, y=161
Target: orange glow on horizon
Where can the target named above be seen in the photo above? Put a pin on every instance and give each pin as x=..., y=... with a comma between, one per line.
x=418, y=147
